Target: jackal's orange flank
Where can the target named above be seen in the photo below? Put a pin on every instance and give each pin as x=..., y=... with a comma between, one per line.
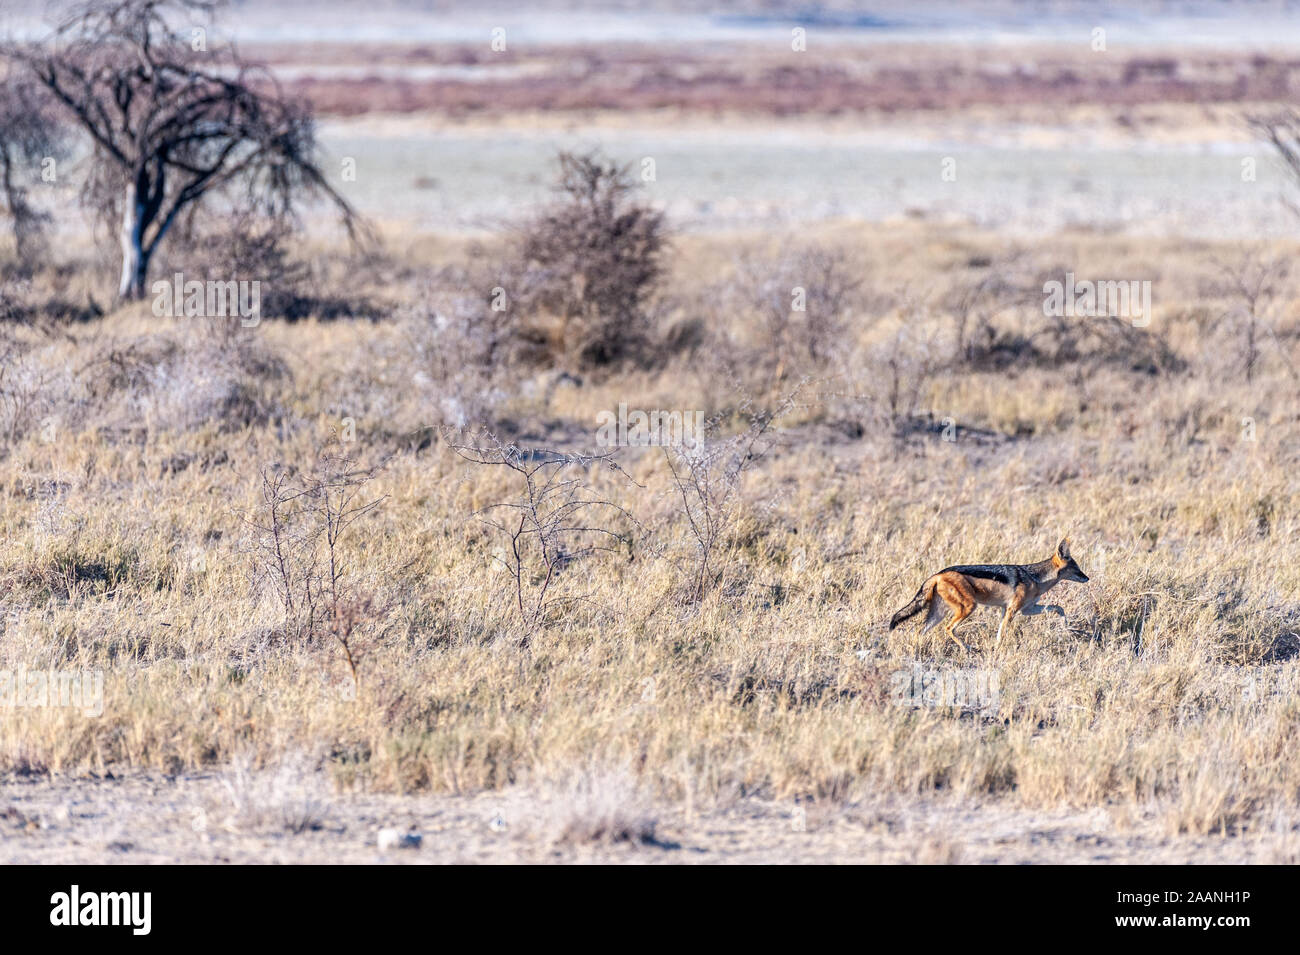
x=1016, y=587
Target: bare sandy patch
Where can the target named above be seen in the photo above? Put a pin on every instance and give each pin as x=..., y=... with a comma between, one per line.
x=284, y=816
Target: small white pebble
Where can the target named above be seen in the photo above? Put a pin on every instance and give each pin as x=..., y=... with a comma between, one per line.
x=392, y=839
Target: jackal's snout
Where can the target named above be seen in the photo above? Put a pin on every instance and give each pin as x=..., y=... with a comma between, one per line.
x=1067, y=568
x=1072, y=571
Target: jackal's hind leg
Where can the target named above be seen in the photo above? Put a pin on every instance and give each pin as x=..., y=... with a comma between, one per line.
x=957, y=597
x=935, y=615
x=959, y=614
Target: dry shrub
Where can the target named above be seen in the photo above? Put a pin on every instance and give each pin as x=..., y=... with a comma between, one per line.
x=588, y=265
x=554, y=521
x=461, y=349
x=218, y=375
x=199, y=373
x=246, y=244
x=299, y=532
x=1253, y=286
x=974, y=302
x=884, y=387
x=804, y=301
x=239, y=245
x=26, y=395
x=707, y=480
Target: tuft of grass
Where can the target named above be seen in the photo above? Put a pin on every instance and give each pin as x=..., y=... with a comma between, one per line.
x=291, y=797
x=604, y=807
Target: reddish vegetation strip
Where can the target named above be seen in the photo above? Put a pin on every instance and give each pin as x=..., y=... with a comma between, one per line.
x=746, y=79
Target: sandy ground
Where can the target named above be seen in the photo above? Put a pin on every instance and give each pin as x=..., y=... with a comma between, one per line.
x=218, y=819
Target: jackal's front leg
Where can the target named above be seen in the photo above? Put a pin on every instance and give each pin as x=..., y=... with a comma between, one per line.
x=1006, y=619
x=1016, y=603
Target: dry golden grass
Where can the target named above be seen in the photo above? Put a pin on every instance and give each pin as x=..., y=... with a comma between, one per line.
x=1172, y=687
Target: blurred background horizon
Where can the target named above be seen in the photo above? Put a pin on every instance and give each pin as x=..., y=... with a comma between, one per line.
x=557, y=22
x=1048, y=117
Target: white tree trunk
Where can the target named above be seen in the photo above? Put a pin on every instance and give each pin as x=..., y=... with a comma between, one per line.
x=135, y=263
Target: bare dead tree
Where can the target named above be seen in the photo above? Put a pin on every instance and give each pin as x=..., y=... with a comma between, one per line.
x=1281, y=130
x=174, y=123
x=29, y=134
x=550, y=524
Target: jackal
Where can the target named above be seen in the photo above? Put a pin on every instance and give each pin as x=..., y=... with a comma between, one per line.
x=1016, y=587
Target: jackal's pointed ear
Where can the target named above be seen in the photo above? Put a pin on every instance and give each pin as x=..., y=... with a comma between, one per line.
x=1063, y=549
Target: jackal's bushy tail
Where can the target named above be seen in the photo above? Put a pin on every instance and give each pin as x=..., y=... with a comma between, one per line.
x=923, y=597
